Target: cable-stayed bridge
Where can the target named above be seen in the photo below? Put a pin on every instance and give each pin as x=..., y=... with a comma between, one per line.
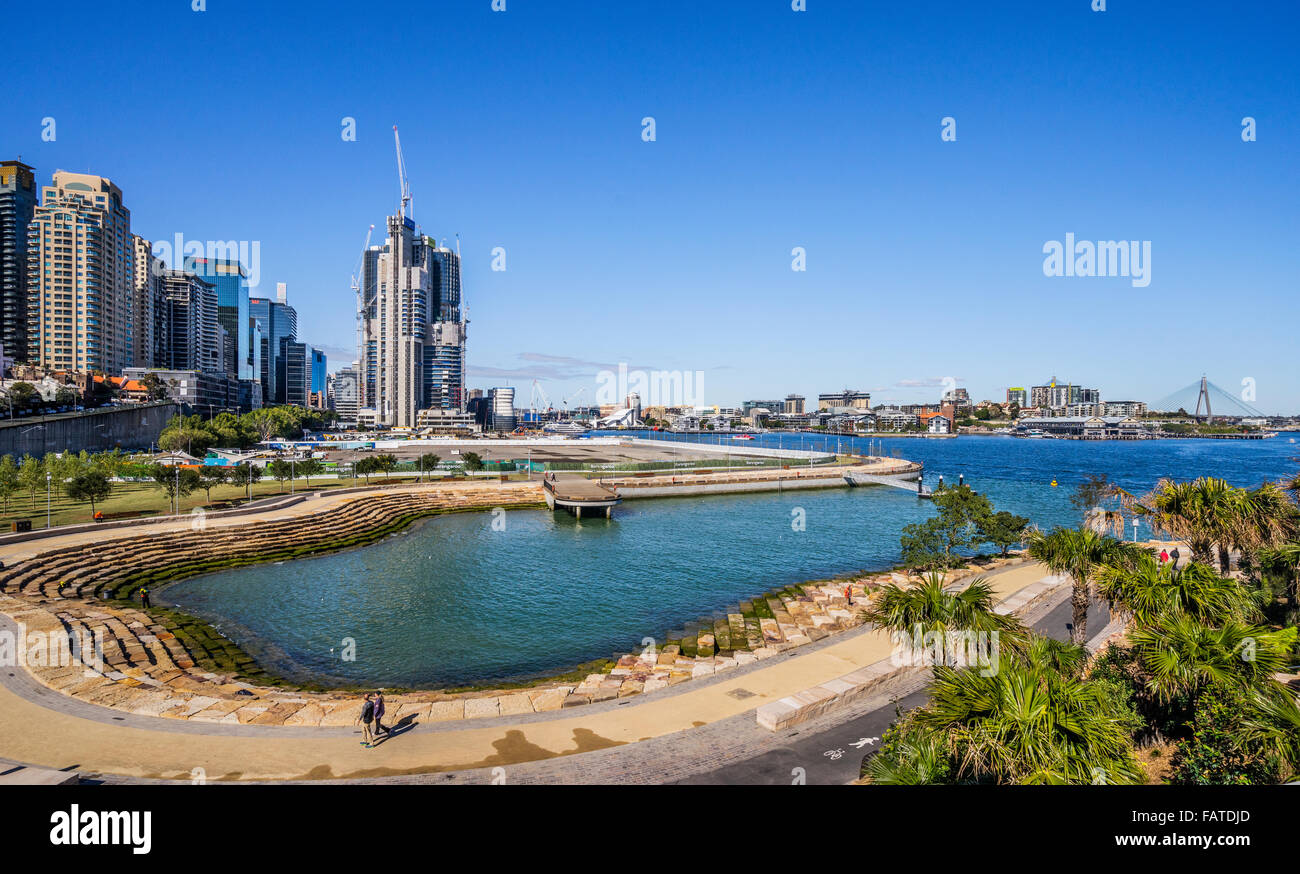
x=1207, y=400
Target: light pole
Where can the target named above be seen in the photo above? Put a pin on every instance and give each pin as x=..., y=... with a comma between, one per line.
x=47, y=498
x=1135, y=531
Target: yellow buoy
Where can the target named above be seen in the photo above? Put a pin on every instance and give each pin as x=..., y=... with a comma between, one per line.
x=1053, y=483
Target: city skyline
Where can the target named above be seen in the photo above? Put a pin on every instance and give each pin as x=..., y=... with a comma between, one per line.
x=675, y=253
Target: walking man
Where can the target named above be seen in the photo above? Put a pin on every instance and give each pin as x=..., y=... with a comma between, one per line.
x=379, y=714
x=144, y=597
x=366, y=717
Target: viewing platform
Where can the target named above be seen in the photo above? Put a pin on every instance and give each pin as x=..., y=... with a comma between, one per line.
x=578, y=495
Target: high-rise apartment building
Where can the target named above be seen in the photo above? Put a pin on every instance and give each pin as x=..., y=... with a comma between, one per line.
x=193, y=337
x=148, y=312
x=17, y=206
x=80, y=285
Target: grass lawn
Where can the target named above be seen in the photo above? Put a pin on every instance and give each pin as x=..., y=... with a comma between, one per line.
x=130, y=499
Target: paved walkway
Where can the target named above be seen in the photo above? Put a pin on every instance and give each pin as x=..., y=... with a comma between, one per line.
x=42, y=727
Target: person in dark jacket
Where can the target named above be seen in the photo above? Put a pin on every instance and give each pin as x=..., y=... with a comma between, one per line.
x=379, y=714
x=365, y=717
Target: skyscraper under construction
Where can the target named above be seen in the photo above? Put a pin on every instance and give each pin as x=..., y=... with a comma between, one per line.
x=411, y=325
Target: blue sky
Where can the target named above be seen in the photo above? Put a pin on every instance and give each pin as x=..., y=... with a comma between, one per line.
x=775, y=129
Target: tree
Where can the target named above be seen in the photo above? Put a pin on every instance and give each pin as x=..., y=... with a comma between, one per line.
x=428, y=462
x=89, y=485
x=23, y=394
x=1221, y=749
x=1183, y=656
x=9, y=481
x=928, y=607
x=175, y=481
x=1079, y=553
x=1002, y=529
x=1210, y=513
x=211, y=475
x=932, y=544
x=65, y=396
x=366, y=466
x=31, y=474
x=385, y=463
x=923, y=546
x=309, y=467
x=280, y=470
x=1147, y=590
x=1023, y=724
x=472, y=460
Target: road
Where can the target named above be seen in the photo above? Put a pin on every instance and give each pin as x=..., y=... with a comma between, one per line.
x=834, y=756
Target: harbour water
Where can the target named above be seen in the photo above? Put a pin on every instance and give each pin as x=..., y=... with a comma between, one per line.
x=455, y=601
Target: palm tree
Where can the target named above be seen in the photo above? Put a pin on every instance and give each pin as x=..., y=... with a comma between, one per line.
x=1028, y=724
x=1286, y=558
x=933, y=608
x=1078, y=553
x=928, y=608
x=1147, y=589
x=917, y=758
x=1273, y=723
x=1209, y=513
x=1182, y=656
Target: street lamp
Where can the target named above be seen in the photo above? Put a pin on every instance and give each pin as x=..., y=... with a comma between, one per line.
x=47, y=498
x=1135, y=531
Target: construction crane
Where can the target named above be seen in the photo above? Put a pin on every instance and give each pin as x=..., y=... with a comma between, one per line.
x=401, y=178
x=536, y=393
x=573, y=397
x=356, y=289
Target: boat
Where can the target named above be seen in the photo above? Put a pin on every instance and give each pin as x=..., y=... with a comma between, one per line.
x=742, y=436
x=565, y=428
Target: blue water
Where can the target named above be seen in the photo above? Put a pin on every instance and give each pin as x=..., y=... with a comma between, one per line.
x=453, y=600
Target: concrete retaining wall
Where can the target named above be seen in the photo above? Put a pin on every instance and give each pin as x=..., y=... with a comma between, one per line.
x=125, y=427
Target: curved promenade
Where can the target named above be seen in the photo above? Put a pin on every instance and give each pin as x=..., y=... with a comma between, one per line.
x=48, y=729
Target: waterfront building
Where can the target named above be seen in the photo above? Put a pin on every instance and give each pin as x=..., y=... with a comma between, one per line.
x=1087, y=427
x=1056, y=395
x=958, y=398
x=193, y=339
x=278, y=322
x=858, y=400
x=895, y=419
x=1018, y=396
x=1132, y=409
x=17, y=207
x=793, y=405
x=444, y=351
x=747, y=407
x=936, y=423
x=80, y=285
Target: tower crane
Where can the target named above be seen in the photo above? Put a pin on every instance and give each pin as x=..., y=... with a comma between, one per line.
x=401, y=178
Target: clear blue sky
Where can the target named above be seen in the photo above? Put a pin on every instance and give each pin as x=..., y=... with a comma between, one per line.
x=775, y=129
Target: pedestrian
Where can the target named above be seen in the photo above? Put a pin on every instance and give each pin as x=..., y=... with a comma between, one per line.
x=379, y=714
x=848, y=593
x=1174, y=556
x=1164, y=556
x=366, y=717
x=144, y=597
